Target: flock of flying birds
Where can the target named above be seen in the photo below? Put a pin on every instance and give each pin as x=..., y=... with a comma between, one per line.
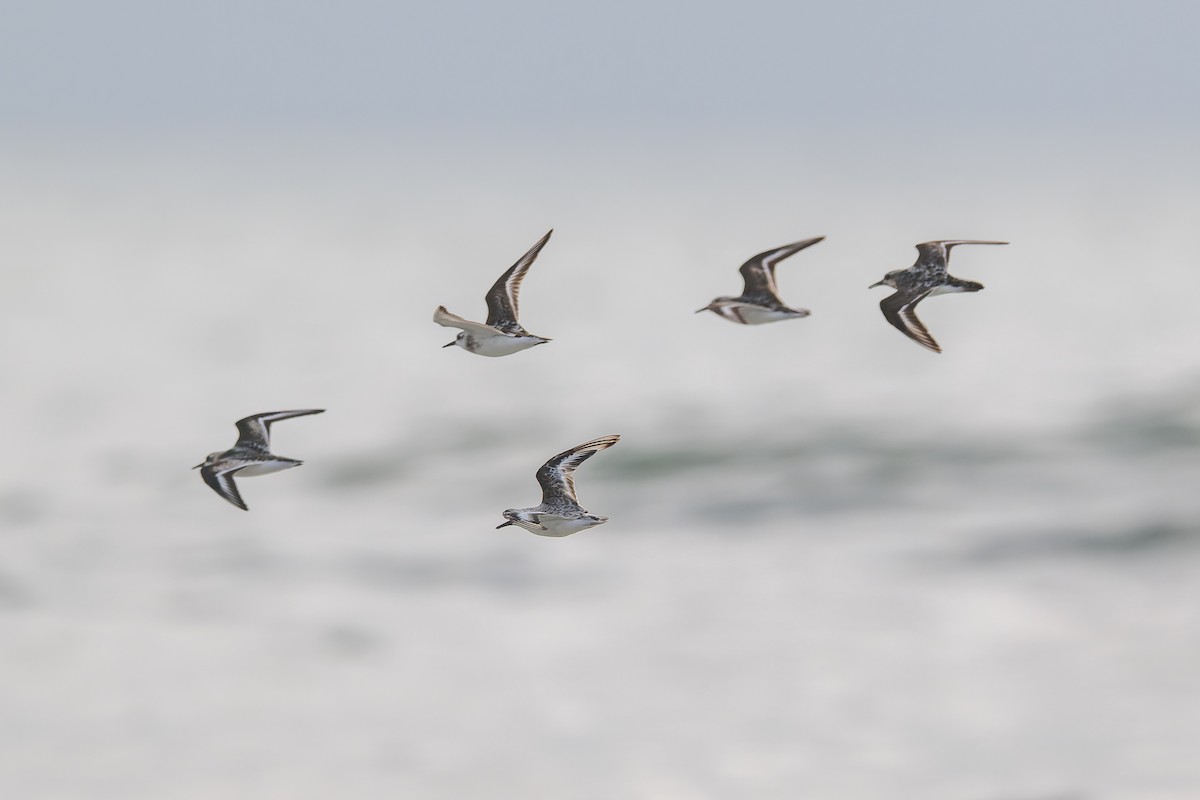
x=559, y=513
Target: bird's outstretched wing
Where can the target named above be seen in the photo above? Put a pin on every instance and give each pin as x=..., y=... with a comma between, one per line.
x=936, y=254
x=222, y=483
x=759, y=271
x=502, y=297
x=254, y=431
x=557, y=476
x=447, y=320
x=900, y=310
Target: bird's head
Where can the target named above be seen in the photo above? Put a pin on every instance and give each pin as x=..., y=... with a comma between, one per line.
x=714, y=306
x=210, y=459
x=888, y=279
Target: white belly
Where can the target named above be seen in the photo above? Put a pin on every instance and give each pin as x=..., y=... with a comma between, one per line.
x=946, y=289
x=558, y=527
x=495, y=346
x=265, y=468
x=757, y=315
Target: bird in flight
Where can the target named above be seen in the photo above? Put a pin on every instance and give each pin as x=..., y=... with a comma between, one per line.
x=251, y=455
x=759, y=301
x=560, y=513
x=501, y=335
x=925, y=278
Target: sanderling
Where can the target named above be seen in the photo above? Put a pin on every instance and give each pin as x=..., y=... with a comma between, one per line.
x=560, y=513
x=925, y=278
x=250, y=456
x=501, y=335
x=759, y=301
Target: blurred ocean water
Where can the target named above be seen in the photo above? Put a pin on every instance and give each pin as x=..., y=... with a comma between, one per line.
x=837, y=565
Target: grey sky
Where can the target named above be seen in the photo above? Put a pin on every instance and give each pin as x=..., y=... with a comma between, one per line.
x=140, y=65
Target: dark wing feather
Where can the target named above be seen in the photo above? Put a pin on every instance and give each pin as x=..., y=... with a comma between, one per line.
x=557, y=476
x=502, y=297
x=932, y=256
x=900, y=310
x=254, y=432
x=758, y=273
x=222, y=483
x=936, y=255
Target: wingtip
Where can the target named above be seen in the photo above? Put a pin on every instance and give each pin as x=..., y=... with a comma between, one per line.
x=599, y=443
x=236, y=502
x=931, y=344
x=804, y=244
x=925, y=339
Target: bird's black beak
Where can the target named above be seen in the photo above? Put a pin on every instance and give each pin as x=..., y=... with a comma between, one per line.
x=198, y=466
x=878, y=283
x=701, y=310
x=504, y=524
x=450, y=345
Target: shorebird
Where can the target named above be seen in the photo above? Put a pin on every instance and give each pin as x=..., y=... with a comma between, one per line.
x=925, y=278
x=759, y=301
x=560, y=513
x=250, y=455
x=501, y=335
